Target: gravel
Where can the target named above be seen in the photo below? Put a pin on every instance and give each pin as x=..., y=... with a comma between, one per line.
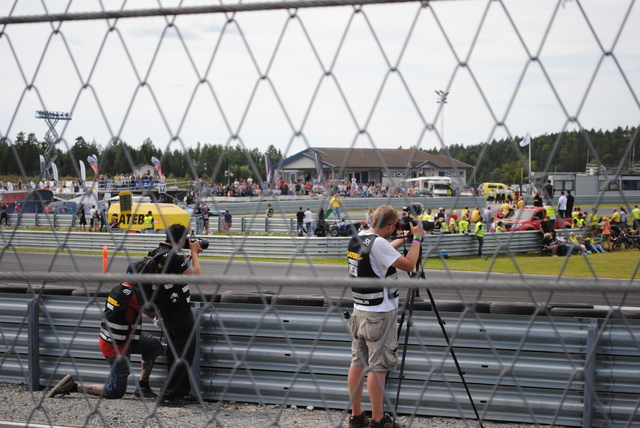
x=19, y=405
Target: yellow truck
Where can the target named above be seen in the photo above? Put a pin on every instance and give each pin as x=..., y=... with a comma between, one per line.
x=131, y=216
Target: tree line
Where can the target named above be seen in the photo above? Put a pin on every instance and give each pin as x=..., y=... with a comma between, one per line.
x=504, y=161
x=498, y=161
x=183, y=163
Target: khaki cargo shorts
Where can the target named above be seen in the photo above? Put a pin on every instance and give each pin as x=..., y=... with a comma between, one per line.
x=375, y=340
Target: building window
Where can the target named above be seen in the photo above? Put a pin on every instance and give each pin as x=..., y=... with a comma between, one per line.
x=565, y=185
x=605, y=185
x=630, y=184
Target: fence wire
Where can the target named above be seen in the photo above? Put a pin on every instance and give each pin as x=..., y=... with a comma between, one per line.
x=304, y=60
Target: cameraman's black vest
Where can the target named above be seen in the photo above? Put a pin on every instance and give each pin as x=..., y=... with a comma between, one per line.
x=114, y=327
x=173, y=293
x=359, y=254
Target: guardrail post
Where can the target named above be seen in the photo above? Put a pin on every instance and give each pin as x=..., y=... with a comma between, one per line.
x=590, y=373
x=195, y=365
x=33, y=344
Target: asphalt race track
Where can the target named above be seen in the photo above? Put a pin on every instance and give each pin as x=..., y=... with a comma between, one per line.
x=64, y=263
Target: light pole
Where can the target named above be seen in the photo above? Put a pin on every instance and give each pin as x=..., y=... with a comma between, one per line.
x=51, y=138
x=442, y=99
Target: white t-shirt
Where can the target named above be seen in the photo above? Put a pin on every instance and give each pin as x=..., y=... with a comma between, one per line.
x=562, y=202
x=308, y=216
x=382, y=256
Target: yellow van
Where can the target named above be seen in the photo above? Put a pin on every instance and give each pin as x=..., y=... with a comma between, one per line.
x=487, y=187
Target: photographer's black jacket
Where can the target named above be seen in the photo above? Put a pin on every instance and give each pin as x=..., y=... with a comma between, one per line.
x=114, y=327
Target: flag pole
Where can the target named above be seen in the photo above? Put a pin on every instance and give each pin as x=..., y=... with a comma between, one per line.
x=530, y=186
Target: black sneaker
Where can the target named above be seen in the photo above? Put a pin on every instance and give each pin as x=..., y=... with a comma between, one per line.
x=360, y=421
x=386, y=422
x=188, y=398
x=64, y=387
x=144, y=392
x=170, y=402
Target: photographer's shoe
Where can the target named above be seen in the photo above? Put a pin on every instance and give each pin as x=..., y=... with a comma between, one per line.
x=188, y=398
x=144, y=392
x=360, y=421
x=64, y=387
x=386, y=422
x=170, y=402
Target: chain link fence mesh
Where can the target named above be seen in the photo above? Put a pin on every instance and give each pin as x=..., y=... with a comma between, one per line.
x=295, y=75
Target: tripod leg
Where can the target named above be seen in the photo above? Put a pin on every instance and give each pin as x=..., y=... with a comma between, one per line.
x=453, y=355
x=408, y=304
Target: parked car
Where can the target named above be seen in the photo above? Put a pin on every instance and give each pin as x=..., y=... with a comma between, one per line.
x=529, y=218
x=467, y=193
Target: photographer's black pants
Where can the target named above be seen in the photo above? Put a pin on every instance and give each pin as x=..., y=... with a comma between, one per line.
x=179, y=323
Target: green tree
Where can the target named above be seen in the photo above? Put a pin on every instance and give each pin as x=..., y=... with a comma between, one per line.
x=6, y=157
x=28, y=152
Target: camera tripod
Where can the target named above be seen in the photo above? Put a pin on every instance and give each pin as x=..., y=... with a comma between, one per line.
x=411, y=295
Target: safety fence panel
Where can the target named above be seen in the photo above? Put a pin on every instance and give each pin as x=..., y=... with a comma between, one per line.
x=434, y=245
x=271, y=349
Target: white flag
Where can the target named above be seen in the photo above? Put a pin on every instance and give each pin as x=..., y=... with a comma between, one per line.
x=83, y=171
x=54, y=170
x=526, y=141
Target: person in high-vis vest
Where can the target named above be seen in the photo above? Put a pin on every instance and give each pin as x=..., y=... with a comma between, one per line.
x=578, y=222
x=551, y=213
x=593, y=220
x=575, y=241
x=636, y=217
x=373, y=323
x=463, y=224
x=479, y=234
x=452, y=225
x=148, y=222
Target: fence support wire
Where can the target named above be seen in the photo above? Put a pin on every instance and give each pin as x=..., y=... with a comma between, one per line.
x=212, y=94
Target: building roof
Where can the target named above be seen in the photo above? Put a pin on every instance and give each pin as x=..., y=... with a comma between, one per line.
x=376, y=158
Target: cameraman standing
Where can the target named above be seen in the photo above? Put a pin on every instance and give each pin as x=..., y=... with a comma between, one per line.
x=373, y=348
x=177, y=318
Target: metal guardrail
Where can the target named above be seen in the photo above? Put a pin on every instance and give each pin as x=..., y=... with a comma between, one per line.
x=263, y=246
x=543, y=370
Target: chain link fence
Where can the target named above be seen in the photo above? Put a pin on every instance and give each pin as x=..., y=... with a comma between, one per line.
x=265, y=76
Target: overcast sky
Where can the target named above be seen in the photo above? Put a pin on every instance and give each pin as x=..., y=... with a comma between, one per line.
x=203, y=74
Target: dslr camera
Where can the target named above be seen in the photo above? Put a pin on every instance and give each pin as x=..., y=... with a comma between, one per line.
x=411, y=215
x=204, y=244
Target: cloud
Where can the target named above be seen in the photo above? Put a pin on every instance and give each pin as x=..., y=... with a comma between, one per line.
x=321, y=76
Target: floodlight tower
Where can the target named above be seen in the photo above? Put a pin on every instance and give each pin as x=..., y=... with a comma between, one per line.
x=442, y=99
x=51, y=137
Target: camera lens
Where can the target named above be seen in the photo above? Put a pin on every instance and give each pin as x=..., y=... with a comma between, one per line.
x=204, y=244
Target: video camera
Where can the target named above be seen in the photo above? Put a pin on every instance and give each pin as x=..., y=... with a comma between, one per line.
x=204, y=244
x=411, y=215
